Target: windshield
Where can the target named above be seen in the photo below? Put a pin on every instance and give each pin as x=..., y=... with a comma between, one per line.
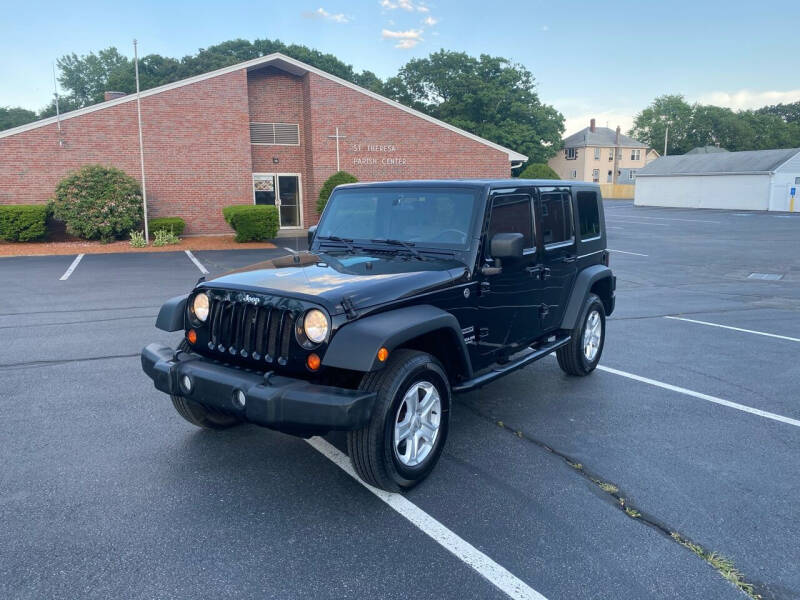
x=435, y=217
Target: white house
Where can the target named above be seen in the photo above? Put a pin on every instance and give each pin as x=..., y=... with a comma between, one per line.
x=753, y=180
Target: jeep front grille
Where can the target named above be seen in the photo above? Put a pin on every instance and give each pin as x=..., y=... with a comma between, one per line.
x=254, y=332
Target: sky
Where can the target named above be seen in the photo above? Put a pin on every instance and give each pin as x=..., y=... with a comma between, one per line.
x=606, y=60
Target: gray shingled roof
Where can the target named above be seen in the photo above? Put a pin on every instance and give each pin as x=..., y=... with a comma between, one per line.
x=706, y=150
x=602, y=136
x=752, y=161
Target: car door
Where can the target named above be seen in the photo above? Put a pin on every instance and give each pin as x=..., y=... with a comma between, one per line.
x=556, y=233
x=509, y=299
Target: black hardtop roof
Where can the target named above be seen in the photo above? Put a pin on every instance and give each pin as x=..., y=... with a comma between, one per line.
x=474, y=183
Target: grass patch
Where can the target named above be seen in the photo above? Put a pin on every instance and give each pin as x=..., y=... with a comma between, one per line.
x=723, y=565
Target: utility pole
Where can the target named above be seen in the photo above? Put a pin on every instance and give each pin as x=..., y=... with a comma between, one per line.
x=141, y=142
x=58, y=111
x=666, y=137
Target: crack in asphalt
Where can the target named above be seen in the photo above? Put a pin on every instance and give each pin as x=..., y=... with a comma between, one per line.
x=75, y=322
x=61, y=361
x=616, y=497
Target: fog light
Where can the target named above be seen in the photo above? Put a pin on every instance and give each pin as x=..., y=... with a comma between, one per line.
x=186, y=384
x=313, y=362
x=239, y=399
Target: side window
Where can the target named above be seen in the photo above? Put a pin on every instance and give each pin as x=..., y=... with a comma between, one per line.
x=556, y=217
x=512, y=214
x=588, y=215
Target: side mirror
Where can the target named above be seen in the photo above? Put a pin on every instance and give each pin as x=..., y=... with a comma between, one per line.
x=311, y=232
x=507, y=245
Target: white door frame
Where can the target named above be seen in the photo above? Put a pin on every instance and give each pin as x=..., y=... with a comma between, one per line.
x=277, y=195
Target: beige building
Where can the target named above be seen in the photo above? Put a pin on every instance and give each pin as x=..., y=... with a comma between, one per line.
x=601, y=155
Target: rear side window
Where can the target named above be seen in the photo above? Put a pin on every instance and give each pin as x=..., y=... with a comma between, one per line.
x=588, y=215
x=556, y=217
x=512, y=214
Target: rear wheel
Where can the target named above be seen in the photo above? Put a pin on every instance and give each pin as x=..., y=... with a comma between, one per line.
x=407, y=431
x=581, y=355
x=198, y=414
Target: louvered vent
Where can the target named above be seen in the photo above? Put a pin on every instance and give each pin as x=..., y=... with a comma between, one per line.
x=275, y=134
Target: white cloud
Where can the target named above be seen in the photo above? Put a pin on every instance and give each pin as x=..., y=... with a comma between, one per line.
x=408, y=5
x=405, y=39
x=321, y=13
x=745, y=99
x=430, y=21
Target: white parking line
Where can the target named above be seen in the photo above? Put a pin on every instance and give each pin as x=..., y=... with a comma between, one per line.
x=69, y=271
x=290, y=250
x=626, y=252
x=764, y=333
x=701, y=396
x=197, y=263
x=497, y=575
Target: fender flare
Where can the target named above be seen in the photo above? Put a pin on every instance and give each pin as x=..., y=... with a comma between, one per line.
x=355, y=345
x=583, y=283
x=170, y=317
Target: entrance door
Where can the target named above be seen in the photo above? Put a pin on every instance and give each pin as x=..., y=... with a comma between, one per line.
x=283, y=191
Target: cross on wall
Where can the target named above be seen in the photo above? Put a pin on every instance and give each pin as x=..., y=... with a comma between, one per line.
x=337, y=137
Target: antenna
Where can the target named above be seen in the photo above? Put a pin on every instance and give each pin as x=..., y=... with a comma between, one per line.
x=58, y=112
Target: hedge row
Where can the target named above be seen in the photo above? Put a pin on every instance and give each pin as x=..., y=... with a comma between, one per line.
x=23, y=222
x=252, y=223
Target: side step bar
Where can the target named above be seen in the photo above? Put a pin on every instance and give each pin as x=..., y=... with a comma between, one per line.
x=500, y=370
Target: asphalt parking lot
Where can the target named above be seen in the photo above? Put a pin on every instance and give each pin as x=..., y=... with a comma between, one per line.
x=693, y=422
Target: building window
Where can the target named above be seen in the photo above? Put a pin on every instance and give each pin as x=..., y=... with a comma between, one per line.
x=275, y=134
x=610, y=154
x=636, y=154
x=557, y=224
x=574, y=174
x=797, y=180
x=588, y=215
x=597, y=153
x=596, y=175
x=570, y=153
x=632, y=175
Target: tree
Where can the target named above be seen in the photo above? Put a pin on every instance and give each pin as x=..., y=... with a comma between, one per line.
x=14, y=116
x=488, y=96
x=538, y=171
x=338, y=178
x=789, y=113
x=650, y=125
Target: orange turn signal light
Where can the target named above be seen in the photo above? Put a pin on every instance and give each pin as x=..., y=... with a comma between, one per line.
x=192, y=336
x=383, y=354
x=313, y=362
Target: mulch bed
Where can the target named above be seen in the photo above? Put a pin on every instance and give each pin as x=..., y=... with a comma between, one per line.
x=201, y=242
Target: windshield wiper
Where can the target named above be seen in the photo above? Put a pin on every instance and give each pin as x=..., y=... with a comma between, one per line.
x=407, y=245
x=335, y=238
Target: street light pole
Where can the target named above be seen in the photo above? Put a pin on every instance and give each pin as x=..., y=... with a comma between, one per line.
x=666, y=136
x=141, y=142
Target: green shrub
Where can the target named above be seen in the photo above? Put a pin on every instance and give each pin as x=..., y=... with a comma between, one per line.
x=538, y=171
x=338, y=178
x=137, y=239
x=23, y=222
x=174, y=224
x=98, y=202
x=165, y=238
x=252, y=223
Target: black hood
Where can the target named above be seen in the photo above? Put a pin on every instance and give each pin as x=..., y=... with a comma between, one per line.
x=365, y=279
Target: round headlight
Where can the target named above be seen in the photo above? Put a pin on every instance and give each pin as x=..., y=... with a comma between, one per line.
x=200, y=306
x=315, y=325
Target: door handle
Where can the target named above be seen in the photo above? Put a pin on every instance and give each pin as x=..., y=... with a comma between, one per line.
x=568, y=259
x=538, y=271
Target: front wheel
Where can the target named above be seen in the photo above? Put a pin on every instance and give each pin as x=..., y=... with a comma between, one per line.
x=581, y=355
x=407, y=431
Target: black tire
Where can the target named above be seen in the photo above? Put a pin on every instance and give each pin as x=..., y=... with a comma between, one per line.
x=371, y=449
x=571, y=358
x=198, y=414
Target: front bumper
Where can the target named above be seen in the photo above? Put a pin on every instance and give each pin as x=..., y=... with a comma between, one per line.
x=283, y=403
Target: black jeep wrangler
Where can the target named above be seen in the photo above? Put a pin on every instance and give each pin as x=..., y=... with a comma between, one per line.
x=410, y=292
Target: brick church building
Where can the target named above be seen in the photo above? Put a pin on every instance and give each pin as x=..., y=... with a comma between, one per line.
x=267, y=131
